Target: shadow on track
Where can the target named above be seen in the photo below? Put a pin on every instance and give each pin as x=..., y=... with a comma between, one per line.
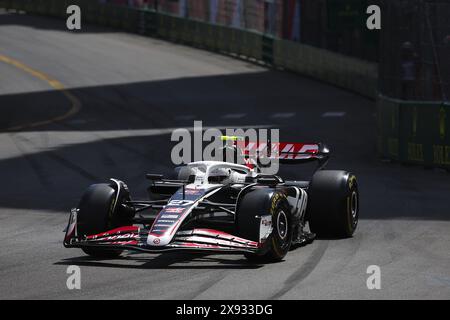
x=123, y=131
x=164, y=262
x=116, y=133
x=164, y=103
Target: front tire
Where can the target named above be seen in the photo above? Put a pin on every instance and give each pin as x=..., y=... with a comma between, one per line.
x=96, y=214
x=266, y=202
x=333, y=204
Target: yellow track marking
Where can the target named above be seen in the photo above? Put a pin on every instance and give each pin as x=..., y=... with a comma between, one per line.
x=75, y=103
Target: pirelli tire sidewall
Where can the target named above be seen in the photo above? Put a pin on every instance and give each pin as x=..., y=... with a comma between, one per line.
x=333, y=204
x=280, y=241
x=265, y=201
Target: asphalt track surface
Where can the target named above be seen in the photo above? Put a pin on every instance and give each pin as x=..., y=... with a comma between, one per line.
x=130, y=92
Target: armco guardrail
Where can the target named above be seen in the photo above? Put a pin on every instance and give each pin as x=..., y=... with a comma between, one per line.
x=346, y=72
x=414, y=132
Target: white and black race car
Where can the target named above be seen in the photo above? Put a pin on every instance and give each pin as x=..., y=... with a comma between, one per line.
x=219, y=207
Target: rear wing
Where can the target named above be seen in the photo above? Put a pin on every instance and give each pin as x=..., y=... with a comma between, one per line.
x=285, y=152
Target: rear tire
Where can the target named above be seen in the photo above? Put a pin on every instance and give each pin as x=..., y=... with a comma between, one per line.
x=96, y=215
x=333, y=204
x=266, y=202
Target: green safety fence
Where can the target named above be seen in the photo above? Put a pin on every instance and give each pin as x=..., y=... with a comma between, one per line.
x=414, y=132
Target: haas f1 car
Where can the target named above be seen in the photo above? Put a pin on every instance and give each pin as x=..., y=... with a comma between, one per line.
x=219, y=207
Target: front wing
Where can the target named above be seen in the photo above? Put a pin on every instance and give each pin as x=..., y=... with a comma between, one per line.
x=135, y=238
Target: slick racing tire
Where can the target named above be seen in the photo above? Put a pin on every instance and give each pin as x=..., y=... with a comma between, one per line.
x=333, y=204
x=269, y=202
x=96, y=215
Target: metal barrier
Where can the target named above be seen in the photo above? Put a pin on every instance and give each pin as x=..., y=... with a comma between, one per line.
x=414, y=132
x=345, y=72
